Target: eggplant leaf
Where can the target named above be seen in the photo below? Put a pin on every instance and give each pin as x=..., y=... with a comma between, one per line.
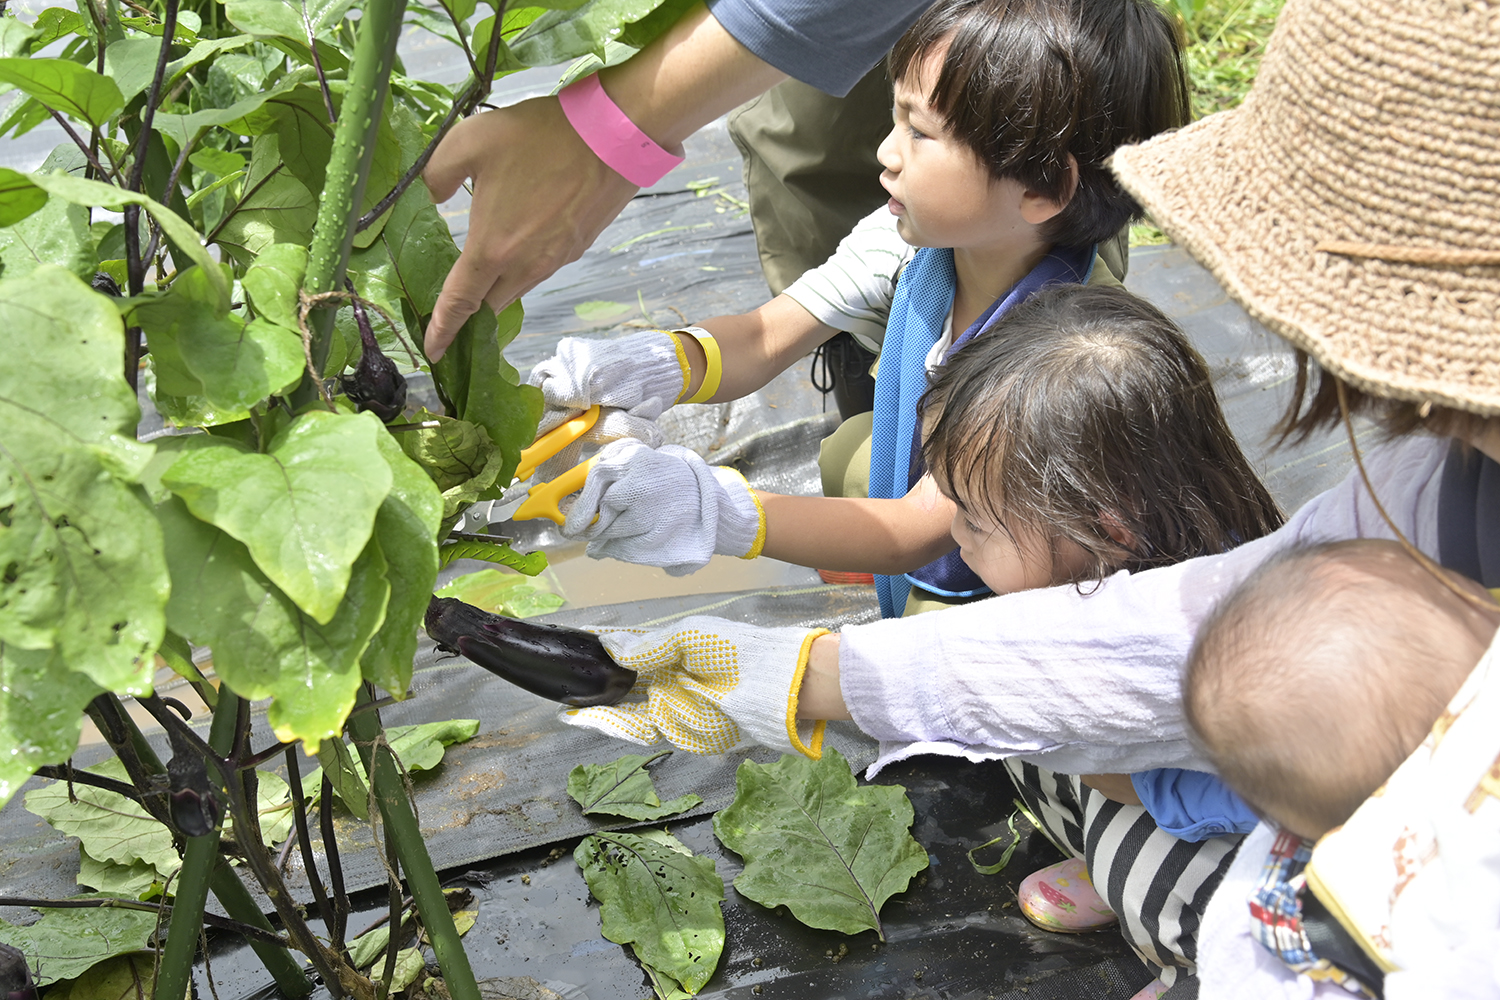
x=108, y=825
x=660, y=899
x=623, y=788
x=41, y=712
x=418, y=748
x=65, y=944
x=815, y=842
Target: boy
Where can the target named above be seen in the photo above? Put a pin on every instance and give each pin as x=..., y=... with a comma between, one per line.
x=995, y=167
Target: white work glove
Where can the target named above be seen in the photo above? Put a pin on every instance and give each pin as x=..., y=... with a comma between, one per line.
x=709, y=686
x=665, y=507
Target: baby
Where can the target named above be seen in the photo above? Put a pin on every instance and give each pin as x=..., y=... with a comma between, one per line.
x=1324, y=670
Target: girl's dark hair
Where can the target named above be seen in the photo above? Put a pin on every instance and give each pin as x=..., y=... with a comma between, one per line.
x=1086, y=407
x=1027, y=83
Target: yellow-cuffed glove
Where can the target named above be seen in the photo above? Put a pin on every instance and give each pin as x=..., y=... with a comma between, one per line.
x=709, y=685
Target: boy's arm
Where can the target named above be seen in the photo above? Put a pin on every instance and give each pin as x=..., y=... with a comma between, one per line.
x=755, y=346
x=858, y=534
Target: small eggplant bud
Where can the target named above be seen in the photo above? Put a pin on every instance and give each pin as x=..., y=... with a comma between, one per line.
x=563, y=664
x=194, y=806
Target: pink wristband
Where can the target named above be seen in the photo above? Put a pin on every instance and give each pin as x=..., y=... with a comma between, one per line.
x=625, y=149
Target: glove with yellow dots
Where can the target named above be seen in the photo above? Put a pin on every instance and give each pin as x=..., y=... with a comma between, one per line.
x=709, y=685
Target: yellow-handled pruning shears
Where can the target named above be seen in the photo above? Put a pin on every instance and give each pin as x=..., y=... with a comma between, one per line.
x=542, y=499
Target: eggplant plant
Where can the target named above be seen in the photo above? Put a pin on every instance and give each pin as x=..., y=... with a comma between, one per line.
x=234, y=227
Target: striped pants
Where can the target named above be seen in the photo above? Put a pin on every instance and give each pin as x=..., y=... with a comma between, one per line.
x=1158, y=885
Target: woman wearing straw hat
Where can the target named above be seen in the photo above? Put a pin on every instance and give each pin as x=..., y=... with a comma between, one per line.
x=1352, y=205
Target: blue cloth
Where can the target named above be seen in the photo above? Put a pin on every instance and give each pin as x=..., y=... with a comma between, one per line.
x=829, y=44
x=1192, y=805
x=923, y=300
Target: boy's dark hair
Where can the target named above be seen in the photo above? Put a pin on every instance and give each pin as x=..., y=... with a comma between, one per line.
x=1028, y=83
x=1085, y=409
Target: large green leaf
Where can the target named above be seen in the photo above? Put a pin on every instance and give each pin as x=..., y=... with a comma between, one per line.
x=108, y=825
x=55, y=22
x=97, y=194
x=624, y=788
x=65, y=944
x=286, y=18
x=276, y=206
x=452, y=453
x=304, y=509
x=56, y=234
x=274, y=280
x=18, y=197
x=85, y=571
x=406, y=526
x=65, y=86
x=264, y=646
x=129, y=881
x=183, y=129
x=420, y=248
x=658, y=898
x=131, y=63
x=560, y=36
x=41, y=712
x=817, y=843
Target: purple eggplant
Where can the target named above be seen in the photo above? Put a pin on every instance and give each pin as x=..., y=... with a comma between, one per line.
x=15, y=975
x=376, y=385
x=563, y=664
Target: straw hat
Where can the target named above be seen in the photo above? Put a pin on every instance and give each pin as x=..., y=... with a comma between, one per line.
x=1352, y=203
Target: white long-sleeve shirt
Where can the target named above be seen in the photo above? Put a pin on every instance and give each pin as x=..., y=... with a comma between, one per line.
x=1090, y=682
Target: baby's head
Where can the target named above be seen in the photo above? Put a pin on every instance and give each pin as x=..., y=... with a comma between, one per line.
x=1083, y=431
x=1043, y=91
x=1324, y=670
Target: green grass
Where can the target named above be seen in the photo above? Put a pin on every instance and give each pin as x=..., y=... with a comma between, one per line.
x=1225, y=40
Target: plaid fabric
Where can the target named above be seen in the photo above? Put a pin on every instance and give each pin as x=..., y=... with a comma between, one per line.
x=1276, y=914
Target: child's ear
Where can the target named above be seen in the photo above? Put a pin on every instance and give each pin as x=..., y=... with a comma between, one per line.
x=1115, y=528
x=1037, y=208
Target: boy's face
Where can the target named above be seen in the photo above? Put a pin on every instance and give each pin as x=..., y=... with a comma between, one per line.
x=941, y=193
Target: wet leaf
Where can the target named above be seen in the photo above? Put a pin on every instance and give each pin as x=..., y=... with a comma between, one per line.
x=485, y=389
x=114, y=879
x=273, y=282
x=452, y=453
x=124, y=977
x=817, y=843
x=406, y=527
x=305, y=508
x=658, y=898
x=560, y=36
x=65, y=944
x=88, y=574
x=285, y=17
x=65, y=86
x=276, y=206
x=41, y=712
x=264, y=645
x=624, y=788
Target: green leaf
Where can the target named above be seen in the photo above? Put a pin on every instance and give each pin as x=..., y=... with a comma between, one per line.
x=452, y=453
x=562, y=35
x=1005, y=855
x=305, y=508
x=275, y=208
x=41, y=712
x=264, y=646
x=623, y=788
x=57, y=233
x=108, y=825
x=96, y=194
x=24, y=116
x=600, y=311
x=203, y=350
x=346, y=776
x=55, y=22
x=286, y=17
x=501, y=593
x=85, y=571
x=659, y=899
x=419, y=748
x=274, y=803
x=183, y=129
x=420, y=247
x=406, y=526
x=16, y=37
x=370, y=946
x=18, y=197
x=65, y=944
x=274, y=280
x=124, y=977
x=409, y=965
x=65, y=86
x=817, y=843
x=131, y=63
x=484, y=388
x=131, y=881
x=218, y=162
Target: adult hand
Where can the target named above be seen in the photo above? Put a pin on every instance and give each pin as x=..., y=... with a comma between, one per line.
x=710, y=686
x=664, y=507
x=541, y=196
